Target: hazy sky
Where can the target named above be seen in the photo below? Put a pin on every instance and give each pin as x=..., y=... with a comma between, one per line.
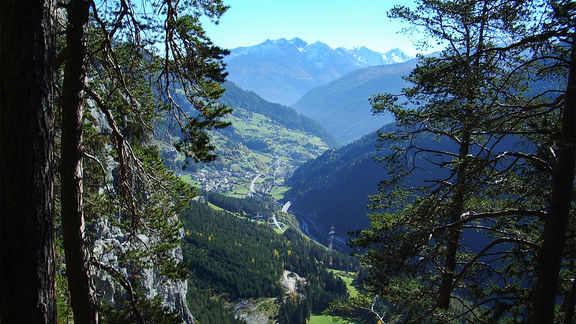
x=335, y=22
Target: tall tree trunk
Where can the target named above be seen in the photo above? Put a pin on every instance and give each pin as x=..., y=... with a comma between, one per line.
x=77, y=264
x=27, y=286
x=456, y=209
x=556, y=223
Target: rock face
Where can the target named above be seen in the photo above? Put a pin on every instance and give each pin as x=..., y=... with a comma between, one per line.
x=259, y=311
x=109, y=244
x=290, y=280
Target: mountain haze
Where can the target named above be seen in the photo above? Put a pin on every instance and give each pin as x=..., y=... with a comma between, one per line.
x=283, y=70
x=333, y=189
x=342, y=106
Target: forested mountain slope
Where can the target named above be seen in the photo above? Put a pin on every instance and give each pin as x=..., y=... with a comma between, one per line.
x=334, y=188
x=240, y=259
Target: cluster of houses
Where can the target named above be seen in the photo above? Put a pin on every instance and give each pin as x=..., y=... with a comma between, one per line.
x=220, y=180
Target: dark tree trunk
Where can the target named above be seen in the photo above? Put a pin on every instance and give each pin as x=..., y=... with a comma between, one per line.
x=77, y=264
x=456, y=209
x=556, y=223
x=27, y=286
x=445, y=289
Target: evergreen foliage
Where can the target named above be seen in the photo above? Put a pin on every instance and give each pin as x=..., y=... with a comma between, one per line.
x=217, y=245
x=114, y=85
x=465, y=243
x=150, y=310
x=208, y=309
x=251, y=206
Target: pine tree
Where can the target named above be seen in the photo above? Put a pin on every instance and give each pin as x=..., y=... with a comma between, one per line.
x=557, y=44
x=464, y=119
x=116, y=86
x=81, y=287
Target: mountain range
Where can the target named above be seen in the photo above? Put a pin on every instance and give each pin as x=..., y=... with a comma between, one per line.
x=262, y=156
x=281, y=71
x=269, y=143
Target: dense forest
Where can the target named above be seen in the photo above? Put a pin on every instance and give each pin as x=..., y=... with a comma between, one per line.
x=252, y=206
x=207, y=309
x=230, y=256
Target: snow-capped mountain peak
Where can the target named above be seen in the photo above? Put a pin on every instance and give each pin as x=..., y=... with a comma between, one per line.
x=283, y=70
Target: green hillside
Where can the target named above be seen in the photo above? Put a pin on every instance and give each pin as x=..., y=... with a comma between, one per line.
x=265, y=143
x=254, y=145
x=237, y=97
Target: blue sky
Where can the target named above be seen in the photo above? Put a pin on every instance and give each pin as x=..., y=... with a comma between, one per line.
x=334, y=22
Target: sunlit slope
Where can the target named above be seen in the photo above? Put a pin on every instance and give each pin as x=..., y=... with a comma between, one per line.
x=265, y=143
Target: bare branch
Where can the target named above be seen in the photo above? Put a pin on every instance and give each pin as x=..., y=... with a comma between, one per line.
x=470, y=216
x=124, y=282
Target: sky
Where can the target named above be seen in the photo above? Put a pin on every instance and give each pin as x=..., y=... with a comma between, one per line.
x=337, y=23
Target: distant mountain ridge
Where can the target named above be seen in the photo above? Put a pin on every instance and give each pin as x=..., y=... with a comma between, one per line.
x=283, y=70
x=342, y=106
x=334, y=188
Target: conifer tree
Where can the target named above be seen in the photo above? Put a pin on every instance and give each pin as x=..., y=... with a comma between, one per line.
x=464, y=118
x=519, y=196
x=126, y=66
x=82, y=294
x=556, y=43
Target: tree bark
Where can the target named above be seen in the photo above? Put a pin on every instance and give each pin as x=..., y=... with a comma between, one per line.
x=27, y=40
x=80, y=283
x=556, y=222
x=456, y=209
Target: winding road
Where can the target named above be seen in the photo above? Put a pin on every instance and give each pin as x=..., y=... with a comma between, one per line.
x=286, y=206
x=253, y=183
x=275, y=221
